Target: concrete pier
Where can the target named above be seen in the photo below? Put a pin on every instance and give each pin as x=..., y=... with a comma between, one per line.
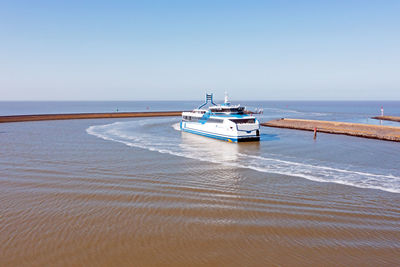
x=380, y=132
x=387, y=118
x=74, y=116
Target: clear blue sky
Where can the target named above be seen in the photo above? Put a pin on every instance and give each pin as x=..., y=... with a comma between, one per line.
x=166, y=50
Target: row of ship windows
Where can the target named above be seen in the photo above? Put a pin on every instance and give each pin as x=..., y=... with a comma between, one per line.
x=237, y=121
x=240, y=121
x=189, y=118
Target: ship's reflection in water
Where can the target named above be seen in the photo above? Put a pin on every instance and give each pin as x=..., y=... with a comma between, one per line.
x=228, y=157
x=216, y=150
x=221, y=151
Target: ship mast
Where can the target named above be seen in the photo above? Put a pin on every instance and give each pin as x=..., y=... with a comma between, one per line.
x=226, y=101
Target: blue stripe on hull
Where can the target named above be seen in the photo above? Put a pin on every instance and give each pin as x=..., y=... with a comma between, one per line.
x=219, y=137
x=211, y=135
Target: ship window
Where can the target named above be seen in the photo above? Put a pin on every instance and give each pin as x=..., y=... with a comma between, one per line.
x=186, y=118
x=194, y=118
x=214, y=120
x=241, y=121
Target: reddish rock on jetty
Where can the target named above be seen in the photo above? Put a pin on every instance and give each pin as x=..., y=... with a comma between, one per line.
x=74, y=116
x=387, y=118
x=389, y=133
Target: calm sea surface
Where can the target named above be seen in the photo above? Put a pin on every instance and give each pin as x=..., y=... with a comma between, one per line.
x=138, y=192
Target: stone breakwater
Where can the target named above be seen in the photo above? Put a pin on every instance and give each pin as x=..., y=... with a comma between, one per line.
x=387, y=118
x=74, y=116
x=380, y=132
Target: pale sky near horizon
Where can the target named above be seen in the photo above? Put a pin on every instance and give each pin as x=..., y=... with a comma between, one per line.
x=177, y=50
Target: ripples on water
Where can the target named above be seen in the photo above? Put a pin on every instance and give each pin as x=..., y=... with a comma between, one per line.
x=146, y=194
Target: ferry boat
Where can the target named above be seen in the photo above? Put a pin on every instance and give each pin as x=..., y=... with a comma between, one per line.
x=224, y=121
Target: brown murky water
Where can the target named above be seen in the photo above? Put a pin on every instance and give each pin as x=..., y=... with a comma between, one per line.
x=72, y=199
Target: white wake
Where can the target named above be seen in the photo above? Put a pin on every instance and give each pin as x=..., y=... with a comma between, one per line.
x=161, y=135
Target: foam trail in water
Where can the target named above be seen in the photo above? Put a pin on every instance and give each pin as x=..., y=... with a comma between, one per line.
x=176, y=126
x=161, y=135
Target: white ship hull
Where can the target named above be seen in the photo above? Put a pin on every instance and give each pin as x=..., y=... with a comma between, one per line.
x=223, y=131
